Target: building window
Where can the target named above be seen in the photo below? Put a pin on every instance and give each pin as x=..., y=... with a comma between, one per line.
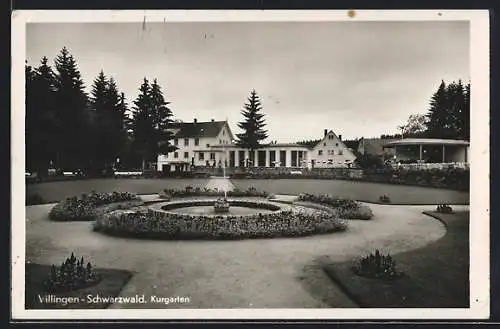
x=324, y=144
x=186, y=155
x=196, y=141
x=220, y=141
x=186, y=141
x=212, y=156
x=176, y=142
x=223, y=132
x=336, y=144
x=332, y=152
x=320, y=152
x=201, y=156
x=208, y=145
x=176, y=155
x=341, y=152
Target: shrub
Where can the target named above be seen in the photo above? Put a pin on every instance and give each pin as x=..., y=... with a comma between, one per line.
x=360, y=212
x=385, y=199
x=148, y=223
x=377, y=266
x=444, y=208
x=329, y=200
x=72, y=275
x=87, y=207
x=345, y=208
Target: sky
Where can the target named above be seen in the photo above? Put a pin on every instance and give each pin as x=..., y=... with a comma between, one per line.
x=359, y=79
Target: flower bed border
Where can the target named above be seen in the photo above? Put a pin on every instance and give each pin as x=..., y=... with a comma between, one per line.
x=218, y=227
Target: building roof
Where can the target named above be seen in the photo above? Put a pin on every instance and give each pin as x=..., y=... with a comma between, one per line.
x=375, y=146
x=197, y=129
x=427, y=141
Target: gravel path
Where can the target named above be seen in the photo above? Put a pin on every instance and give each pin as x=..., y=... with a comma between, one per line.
x=263, y=273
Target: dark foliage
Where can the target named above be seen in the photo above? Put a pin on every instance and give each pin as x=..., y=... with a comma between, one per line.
x=444, y=208
x=86, y=207
x=72, y=274
x=377, y=266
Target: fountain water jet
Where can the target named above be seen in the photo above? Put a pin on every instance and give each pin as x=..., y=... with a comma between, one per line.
x=221, y=184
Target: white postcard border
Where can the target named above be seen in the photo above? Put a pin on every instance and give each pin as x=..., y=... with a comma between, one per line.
x=479, y=191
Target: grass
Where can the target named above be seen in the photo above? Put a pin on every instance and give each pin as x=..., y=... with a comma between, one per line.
x=436, y=275
x=361, y=191
x=111, y=283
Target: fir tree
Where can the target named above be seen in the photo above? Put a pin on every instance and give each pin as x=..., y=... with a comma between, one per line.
x=109, y=121
x=142, y=122
x=162, y=120
x=437, y=113
x=71, y=113
x=253, y=126
x=448, y=115
x=41, y=125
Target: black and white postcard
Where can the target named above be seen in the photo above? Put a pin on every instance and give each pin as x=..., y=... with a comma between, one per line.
x=267, y=164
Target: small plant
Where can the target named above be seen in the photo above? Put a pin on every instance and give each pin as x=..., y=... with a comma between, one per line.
x=385, y=199
x=378, y=266
x=72, y=275
x=444, y=208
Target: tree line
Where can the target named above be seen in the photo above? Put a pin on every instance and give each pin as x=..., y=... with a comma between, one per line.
x=447, y=117
x=69, y=129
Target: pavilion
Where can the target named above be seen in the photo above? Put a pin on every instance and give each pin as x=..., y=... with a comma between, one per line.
x=429, y=150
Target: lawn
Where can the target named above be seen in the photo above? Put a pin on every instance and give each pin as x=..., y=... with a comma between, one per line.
x=436, y=275
x=362, y=191
x=111, y=283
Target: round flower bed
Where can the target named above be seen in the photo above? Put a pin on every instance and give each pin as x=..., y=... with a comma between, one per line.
x=89, y=207
x=156, y=224
x=344, y=208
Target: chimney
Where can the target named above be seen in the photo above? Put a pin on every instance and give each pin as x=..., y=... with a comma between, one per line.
x=340, y=137
x=195, y=121
x=213, y=120
x=326, y=132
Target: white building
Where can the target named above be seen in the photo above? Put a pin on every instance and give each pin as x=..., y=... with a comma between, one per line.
x=331, y=152
x=212, y=144
x=195, y=142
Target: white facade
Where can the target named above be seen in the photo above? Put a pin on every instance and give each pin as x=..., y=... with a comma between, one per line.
x=220, y=150
x=194, y=150
x=331, y=152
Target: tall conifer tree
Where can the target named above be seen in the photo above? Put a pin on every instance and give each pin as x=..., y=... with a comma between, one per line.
x=253, y=125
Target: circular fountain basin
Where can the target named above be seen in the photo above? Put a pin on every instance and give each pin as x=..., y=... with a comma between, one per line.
x=206, y=207
x=210, y=210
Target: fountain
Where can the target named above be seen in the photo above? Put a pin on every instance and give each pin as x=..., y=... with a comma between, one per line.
x=221, y=204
